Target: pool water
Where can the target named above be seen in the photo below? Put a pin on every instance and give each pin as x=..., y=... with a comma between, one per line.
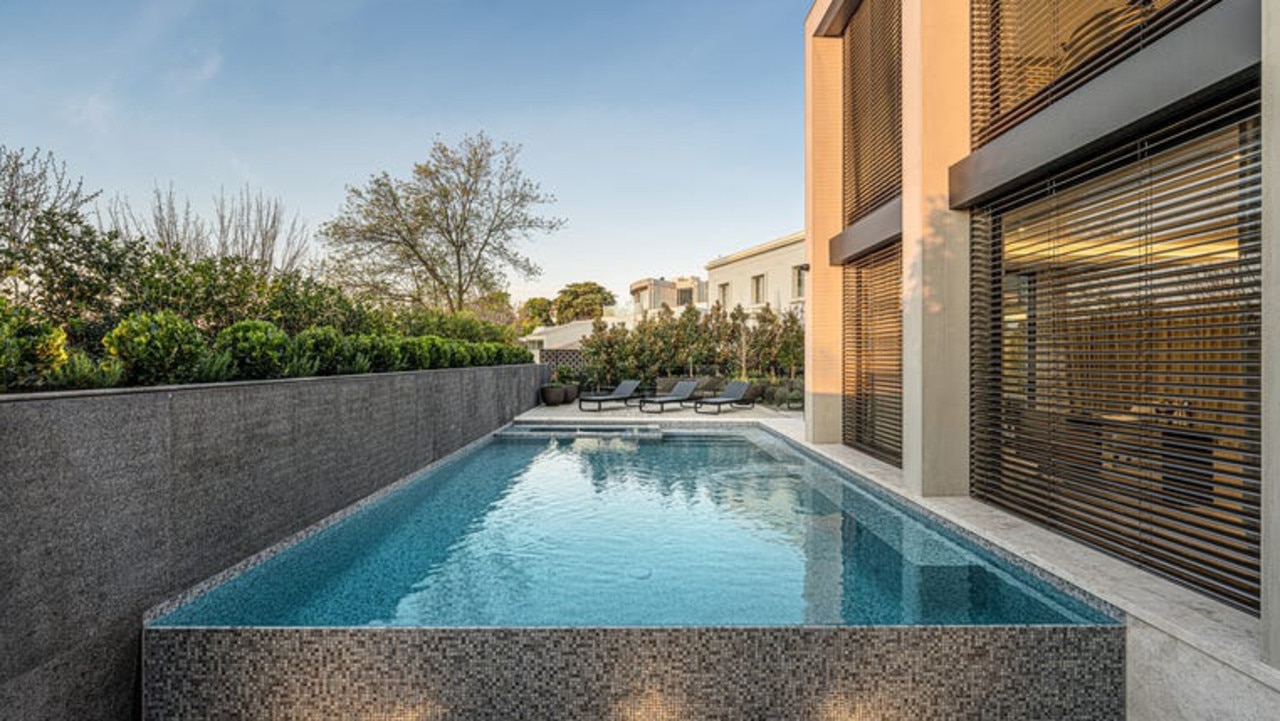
x=697, y=529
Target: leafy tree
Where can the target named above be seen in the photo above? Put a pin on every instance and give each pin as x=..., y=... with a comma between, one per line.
x=762, y=343
x=31, y=184
x=738, y=341
x=447, y=234
x=581, y=301
x=494, y=307
x=534, y=312
x=718, y=335
x=689, y=341
x=71, y=273
x=606, y=352
x=791, y=343
x=212, y=293
x=460, y=326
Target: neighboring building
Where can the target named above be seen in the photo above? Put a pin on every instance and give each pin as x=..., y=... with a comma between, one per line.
x=558, y=345
x=649, y=295
x=557, y=337
x=771, y=273
x=1037, y=242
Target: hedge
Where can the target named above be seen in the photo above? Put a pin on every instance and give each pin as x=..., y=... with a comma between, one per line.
x=164, y=348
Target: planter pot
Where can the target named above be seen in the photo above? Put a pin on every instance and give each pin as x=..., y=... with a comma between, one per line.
x=553, y=395
x=570, y=393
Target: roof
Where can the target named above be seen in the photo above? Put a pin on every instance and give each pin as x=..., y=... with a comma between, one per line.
x=775, y=244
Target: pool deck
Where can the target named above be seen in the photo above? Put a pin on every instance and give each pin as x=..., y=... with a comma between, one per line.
x=792, y=420
x=1187, y=656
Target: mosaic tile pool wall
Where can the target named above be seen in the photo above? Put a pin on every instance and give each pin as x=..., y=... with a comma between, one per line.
x=952, y=672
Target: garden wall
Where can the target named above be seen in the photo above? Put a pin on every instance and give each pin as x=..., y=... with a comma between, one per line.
x=112, y=501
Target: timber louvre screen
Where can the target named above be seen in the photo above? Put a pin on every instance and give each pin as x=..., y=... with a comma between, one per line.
x=873, y=353
x=1116, y=352
x=872, y=107
x=1026, y=54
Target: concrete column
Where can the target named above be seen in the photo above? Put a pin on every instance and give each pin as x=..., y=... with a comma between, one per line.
x=823, y=158
x=1270, y=333
x=935, y=248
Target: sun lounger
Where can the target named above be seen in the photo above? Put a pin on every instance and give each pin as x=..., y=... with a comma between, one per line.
x=681, y=394
x=625, y=391
x=735, y=394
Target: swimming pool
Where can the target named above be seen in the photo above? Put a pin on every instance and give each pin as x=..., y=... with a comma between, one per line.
x=578, y=549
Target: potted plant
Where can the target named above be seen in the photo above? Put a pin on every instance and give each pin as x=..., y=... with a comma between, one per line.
x=565, y=376
x=552, y=394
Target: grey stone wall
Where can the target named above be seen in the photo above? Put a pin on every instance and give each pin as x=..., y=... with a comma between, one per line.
x=796, y=673
x=111, y=502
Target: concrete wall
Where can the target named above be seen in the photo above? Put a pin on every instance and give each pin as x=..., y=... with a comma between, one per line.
x=1270, y=333
x=823, y=220
x=114, y=501
x=808, y=672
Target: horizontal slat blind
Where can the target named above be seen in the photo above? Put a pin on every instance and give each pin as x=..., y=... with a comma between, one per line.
x=1116, y=352
x=873, y=353
x=1028, y=53
x=873, y=107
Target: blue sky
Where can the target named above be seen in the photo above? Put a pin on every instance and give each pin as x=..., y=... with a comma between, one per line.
x=670, y=131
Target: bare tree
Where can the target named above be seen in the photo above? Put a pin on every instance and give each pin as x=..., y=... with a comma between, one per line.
x=166, y=224
x=253, y=226
x=247, y=225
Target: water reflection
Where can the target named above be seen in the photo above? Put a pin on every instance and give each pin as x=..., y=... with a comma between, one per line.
x=731, y=530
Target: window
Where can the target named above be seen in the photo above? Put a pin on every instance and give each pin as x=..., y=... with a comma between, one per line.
x=722, y=294
x=684, y=296
x=757, y=290
x=797, y=281
x=872, y=394
x=1116, y=352
x=1028, y=53
x=873, y=107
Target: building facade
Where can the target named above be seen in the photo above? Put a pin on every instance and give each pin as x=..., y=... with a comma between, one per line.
x=772, y=273
x=1040, y=266
x=648, y=295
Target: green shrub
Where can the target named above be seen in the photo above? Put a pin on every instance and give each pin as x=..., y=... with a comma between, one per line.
x=455, y=354
x=513, y=355
x=354, y=362
x=156, y=348
x=30, y=348
x=381, y=353
x=82, y=371
x=215, y=367
x=324, y=345
x=421, y=353
x=482, y=354
x=257, y=349
x=298, y=364
x=384, y=354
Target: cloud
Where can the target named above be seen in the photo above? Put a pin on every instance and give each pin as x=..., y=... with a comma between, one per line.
x=93, y=111
x=197, y=72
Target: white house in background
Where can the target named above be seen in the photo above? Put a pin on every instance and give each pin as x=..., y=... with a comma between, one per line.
x=649, y=294
x=567, y=337
x=772, y=273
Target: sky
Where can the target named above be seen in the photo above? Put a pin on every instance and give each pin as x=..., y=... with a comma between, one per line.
x=669, y=131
